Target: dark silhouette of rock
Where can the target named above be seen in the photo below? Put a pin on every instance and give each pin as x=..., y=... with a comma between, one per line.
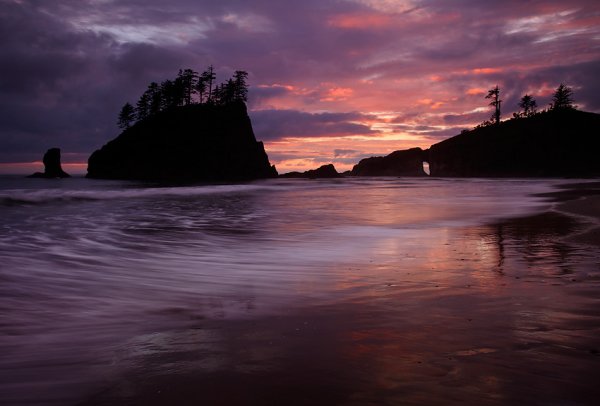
x=52, y=166
x=557, y=143
x=188, y=143
x=399, y=163
x=325, y=171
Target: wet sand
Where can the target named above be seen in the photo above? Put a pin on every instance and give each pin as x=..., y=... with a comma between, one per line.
x=582, y=201
x=509, y=314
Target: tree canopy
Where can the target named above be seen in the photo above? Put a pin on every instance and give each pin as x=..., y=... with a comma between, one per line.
x=562, y=98
x=529, y=106
x=126, y=116
x=494, y=94
x=188, y=87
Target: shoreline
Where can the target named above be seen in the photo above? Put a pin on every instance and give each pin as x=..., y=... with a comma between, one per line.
x=580, y=201
x=493, y=312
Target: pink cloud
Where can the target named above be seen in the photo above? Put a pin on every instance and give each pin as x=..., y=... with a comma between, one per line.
x=486, y=71
x=474, y=91
x=335, y=94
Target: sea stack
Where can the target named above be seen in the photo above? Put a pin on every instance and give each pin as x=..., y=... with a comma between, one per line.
x=324, y=171
x=399, y=163
x=52, y=166
x=197, y=142
x=555, y=143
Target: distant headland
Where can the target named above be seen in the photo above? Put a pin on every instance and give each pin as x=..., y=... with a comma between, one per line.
x=186, y=129
x=555, y=143
x=560, y=141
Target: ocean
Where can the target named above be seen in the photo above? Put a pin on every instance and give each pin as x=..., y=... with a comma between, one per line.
x=343, y=291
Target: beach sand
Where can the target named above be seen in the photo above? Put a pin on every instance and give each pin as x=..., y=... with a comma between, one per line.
x=524, y=330
x=584, y=203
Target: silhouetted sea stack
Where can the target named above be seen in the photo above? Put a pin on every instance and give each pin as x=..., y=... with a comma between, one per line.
x=325, y=171
x=399, y=163
x=197, y=142
x=557, y=143
x=52, y=166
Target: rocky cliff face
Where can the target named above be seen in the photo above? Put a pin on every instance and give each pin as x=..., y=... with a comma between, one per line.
x=52, y=166
x=555, y=143
x=399, y=163
x=189, y=143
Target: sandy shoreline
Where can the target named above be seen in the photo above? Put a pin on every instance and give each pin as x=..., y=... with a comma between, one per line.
x=271, y=298
x=581, y=201
x=513, y=323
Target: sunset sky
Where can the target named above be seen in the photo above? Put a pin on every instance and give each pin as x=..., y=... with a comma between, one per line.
x=330, y=80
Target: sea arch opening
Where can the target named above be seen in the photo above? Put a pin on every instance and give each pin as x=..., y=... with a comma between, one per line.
x=426, y=168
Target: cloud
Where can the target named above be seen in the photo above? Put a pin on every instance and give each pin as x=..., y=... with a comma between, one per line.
x=63, y=87
x=442, y=133
x=344, y=153
x=361, y=21
x=277, y=124
x=466, y=118
x=67, y=66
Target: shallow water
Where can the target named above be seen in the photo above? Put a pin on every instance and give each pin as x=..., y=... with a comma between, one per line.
x=351, y=291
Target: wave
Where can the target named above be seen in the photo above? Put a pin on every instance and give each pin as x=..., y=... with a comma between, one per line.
x=122, y=191
x=43, y=196
x=15, y=197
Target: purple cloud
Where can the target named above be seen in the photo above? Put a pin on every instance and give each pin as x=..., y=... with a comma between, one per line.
x=276, y=124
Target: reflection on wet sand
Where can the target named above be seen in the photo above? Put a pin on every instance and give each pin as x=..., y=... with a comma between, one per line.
x=500, y=314
x=538, y=240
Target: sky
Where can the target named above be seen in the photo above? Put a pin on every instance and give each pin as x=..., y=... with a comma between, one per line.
x=331, y=81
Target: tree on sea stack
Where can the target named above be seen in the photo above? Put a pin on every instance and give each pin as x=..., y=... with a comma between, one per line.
x=155, y=97
x=562, y=98
x=142, y=107
x=187, y=79
x=240, y=86
x=126, y=116
x=201, y=87
x=172, y=93
x=494, y=94
x=529, y=106
x=208, y=76
x=178, y=92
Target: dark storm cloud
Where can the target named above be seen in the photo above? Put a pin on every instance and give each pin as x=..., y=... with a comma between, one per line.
x=276, y=124
x=262, y=94
x=460, y=36
x=62, y=87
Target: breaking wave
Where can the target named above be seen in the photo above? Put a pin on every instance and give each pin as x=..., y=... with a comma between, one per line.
x=45, y=196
